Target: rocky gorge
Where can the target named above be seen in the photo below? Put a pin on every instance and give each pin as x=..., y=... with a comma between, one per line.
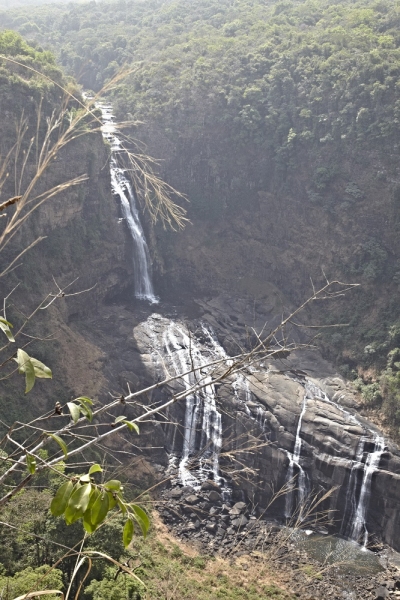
x=292, y=419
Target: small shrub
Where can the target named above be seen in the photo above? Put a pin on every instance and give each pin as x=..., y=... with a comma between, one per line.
x=354, y=191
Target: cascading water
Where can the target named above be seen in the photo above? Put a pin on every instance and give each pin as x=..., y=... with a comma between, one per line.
x=371, y=465
x=356, y=510
x=121, y=186
x=202, y=428
x=294, y=461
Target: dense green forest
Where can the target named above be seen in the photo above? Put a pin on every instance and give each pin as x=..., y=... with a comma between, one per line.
x=280, y=73
x=261, y=92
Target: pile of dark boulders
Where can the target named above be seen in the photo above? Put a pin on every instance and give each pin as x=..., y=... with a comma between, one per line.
x=228, y=529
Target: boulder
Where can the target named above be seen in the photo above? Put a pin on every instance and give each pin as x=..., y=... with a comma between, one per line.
x=211, y=527
x=176, y=493
x=209, y=485
x=239, y=522
x=238, y=508
x=381, y=593
x=224, y=518
x=214, y=510
x=214, y=496
x=192, y=499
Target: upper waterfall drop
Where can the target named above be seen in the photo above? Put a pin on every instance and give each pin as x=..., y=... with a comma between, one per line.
x=121, y=186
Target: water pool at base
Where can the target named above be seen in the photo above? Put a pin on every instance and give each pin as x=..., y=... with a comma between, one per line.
x=335, y=553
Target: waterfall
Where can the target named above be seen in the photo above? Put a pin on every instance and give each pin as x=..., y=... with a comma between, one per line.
x=351, y=504
x=202, y=427
x=354, y=524
x=371, y=465
x=356, y=510
x=294, y=461
x=121, y=186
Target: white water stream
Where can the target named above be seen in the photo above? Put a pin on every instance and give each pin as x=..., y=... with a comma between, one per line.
x=121, y=186
x=356, y=509
x=181, y=352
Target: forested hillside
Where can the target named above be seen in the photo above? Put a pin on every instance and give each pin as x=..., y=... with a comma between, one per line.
x=288, y=110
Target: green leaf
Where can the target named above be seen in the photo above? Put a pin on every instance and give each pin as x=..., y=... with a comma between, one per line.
x=3, y=320
x=88, y=526
x=87, y=412
x=132, y=426
x=78, y=503
x=93, y=497
x=121, y=505
x=85, y=478
x=142, y=518
x=84, y=400
x=40, y=369
x=5, y=327
x=26, y=367
x=60, y=500
x=120, y=419
x=113, y=485
x=31, y=463
x=74, y=410
x=32, y=368
x=100, y=509
x=95, y=469
x=29, y=377
x=60, y=442
x=22, y=359
x=88, y=523
x=128, y=533
x=112, y=501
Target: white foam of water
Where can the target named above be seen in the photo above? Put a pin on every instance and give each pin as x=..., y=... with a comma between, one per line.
x=121, y=186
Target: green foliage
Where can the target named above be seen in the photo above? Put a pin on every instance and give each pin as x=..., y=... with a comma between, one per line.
x=31, y=579
x=80, y=406
x=353, y=191
x=31, y=368
x=6, y=327
x=81, y=498
x=15, y=52
x=130, y=424
x=121, y=588
x=243, y=65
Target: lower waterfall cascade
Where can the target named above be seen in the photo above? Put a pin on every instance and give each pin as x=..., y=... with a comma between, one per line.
x=202, y=427
x=294, y=458
x=195, y=442
x=198, y=456
x=364, y=465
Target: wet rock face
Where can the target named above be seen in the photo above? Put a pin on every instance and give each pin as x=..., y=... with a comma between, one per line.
x=277, y=421
x=330, y=438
